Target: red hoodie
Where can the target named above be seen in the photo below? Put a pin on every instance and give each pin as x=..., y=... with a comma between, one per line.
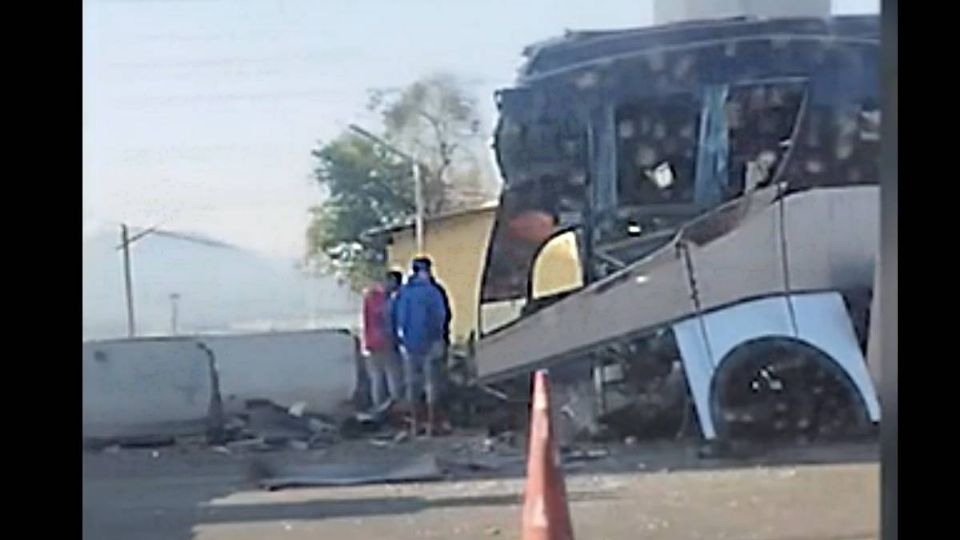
x=376, y=336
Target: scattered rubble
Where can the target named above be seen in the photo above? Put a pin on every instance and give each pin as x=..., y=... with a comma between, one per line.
x=485, y=463
x=272, y=476
x=266, y=426
x=590, y=454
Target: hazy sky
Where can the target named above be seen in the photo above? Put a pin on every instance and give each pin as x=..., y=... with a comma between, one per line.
x=202, y=113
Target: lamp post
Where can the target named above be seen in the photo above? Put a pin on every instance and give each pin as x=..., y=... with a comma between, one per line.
x=414, y=171
x=125, y=241
x=174, y=312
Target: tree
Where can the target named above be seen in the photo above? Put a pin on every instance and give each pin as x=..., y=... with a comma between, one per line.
x=435, y=120
x=368, y=187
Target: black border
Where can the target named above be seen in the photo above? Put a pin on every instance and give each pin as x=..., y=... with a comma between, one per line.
x=889, y=191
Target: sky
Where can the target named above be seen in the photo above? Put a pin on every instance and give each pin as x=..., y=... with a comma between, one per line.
x=201, y=114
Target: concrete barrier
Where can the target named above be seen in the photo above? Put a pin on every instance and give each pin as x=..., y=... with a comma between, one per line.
x=316, y=367
x=145, y=387
x=166, y=386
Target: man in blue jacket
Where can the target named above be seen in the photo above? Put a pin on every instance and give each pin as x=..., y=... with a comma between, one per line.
x=422, y=312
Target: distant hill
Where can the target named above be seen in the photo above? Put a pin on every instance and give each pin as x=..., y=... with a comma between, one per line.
x=222, y=288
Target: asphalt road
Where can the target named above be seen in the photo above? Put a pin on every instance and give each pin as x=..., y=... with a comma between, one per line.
x=648, y=494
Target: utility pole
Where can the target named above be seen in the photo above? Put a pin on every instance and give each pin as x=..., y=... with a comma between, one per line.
x=174, y=312
x=125, y=241
x=418, y=198
x=414, y=171
x=127, y=279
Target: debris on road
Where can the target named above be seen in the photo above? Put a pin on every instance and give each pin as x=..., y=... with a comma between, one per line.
x=589, y=454
x=266, y=426
x=486, y=463
x=144, y=441
x=273, y=476
x=297, y=444
x=254, y=444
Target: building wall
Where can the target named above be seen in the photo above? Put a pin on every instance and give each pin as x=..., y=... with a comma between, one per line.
x=458, y=247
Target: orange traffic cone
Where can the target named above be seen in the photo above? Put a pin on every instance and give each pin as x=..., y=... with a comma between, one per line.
x=545, y=512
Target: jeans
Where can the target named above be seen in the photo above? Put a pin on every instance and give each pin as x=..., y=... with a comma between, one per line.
x=383, y=367
x=421, y=370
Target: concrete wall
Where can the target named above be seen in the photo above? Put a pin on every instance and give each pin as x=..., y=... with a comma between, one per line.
x=145, y=387
x=164, y=386
x=316, y=367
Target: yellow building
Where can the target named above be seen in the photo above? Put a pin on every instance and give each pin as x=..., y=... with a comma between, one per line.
x=457, y=243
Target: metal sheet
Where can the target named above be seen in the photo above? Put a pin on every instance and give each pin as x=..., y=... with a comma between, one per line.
x=831, y=244
x=422, y=467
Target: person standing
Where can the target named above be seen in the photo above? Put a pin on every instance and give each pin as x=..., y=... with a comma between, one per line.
x=423, y=326
x=379, y=344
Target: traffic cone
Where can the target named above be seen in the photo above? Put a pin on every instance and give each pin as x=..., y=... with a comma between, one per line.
x=545, y=512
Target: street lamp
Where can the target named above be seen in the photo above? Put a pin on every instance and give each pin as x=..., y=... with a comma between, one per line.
x=125, y=241
x=415, y=172
x=174, y=312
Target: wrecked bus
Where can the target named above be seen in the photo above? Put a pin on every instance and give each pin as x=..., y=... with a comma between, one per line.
x=708, y=194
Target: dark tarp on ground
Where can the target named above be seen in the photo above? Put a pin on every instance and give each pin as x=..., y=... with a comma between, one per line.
x=422, y=467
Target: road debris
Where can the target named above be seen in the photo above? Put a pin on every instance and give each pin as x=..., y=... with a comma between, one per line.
x=273, y=476
x=486, y=463
x=297, y=409
x=589, y=454
x=297, y=444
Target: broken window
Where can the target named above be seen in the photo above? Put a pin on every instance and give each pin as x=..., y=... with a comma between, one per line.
x=525, y=235
x=761, y=120
x=544, y=162
x=661, y=142
x=836, y=145
x=530, y=213
x=528, y=150
x=656, y=150
x=680, y=155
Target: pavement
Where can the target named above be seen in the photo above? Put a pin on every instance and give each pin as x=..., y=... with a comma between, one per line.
x=649, y=491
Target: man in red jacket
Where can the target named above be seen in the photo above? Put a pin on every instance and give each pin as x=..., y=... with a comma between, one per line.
x=379, y=342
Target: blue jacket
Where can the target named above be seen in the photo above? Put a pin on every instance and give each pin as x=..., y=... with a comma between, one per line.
x=422, y=315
